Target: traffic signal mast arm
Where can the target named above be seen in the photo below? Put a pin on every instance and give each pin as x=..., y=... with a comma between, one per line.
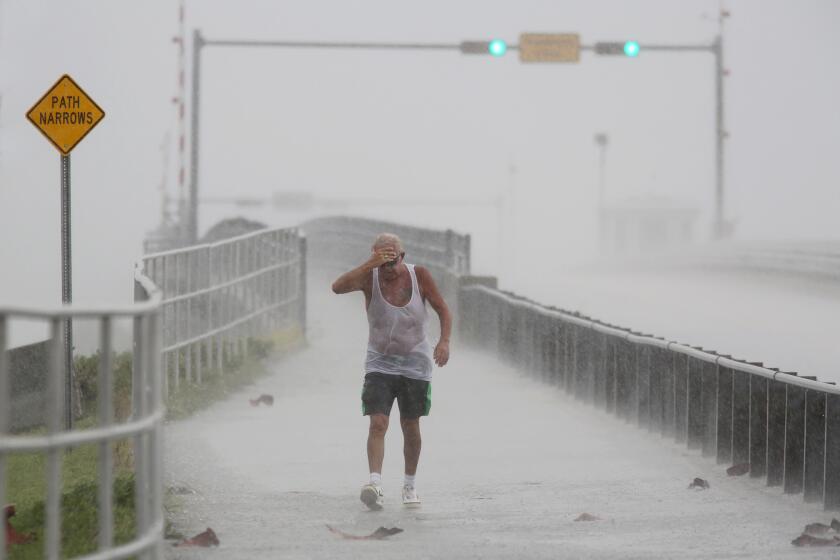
x=621, y=48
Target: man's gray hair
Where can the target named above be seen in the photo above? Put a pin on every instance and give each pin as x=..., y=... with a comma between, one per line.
x=388, y=239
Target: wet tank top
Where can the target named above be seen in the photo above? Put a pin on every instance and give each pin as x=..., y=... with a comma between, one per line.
x=397, y=343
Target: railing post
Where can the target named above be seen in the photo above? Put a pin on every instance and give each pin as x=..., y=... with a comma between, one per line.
x=679, y=367
x=814, y=445
x=656, y=400
x=663, y=360
x=642, y=385
x=724, y=415
x=794, y=439
x=599, y=369
x=302, y=293
x=696, y=430
x=626, y=362
x=776, y=396
x=708, y=405
x=610, y=343
x=208, y=308
x=831, y=498
x=572, y=360
x=176, y=322
x=758, y=426
x=188, y=323
x=741, y=417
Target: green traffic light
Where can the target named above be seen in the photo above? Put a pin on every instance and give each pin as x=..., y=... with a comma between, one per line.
x=631, y=48
x=497, y=47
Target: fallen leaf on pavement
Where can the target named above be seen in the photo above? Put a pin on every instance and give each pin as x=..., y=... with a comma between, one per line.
x=738, y=470
x=267, y=400
x=816, y=529
x=379, y=534
x=808, y=540
x=207, y=538
x=699, y=484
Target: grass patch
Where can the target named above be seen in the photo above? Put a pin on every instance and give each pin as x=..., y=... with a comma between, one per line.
x=26, y=472
x=79, y=526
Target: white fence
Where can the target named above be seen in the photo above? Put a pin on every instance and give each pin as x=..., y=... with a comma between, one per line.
x=218, y=296
x=194, y=307
x=144, y=426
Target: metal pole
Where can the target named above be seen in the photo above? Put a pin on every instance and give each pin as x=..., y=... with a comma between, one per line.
x=720, y=134
x=192, y=221
x=601, y=139
x=67, y=287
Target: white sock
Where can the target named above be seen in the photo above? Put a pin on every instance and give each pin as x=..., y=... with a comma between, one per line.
x=409, y=480
x=376, y=478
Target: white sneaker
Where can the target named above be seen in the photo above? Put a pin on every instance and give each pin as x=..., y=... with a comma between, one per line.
x=410, y=497
x=372, y=496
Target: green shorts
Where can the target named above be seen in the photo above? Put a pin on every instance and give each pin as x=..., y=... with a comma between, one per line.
x=414, y=397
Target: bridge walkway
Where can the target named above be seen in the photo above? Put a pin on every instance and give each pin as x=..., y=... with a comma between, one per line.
x=508, y=463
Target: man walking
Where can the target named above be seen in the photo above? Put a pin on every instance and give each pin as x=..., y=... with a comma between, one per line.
x=399, y=356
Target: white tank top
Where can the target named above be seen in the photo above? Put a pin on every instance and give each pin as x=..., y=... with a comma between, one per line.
x=397, y=344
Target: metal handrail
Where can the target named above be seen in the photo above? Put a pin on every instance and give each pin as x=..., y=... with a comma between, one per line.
x=145, y=428
x=785, y=428
x=259, y=277
x=219, y=296
x=767, y=373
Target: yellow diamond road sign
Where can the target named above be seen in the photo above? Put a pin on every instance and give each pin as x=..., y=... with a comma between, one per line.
x=65, y=114
x=549, y=47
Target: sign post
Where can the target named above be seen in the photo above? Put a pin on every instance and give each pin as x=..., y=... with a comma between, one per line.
x=64, y=115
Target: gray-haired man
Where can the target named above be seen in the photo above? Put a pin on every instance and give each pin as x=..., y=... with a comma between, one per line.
x=399, y=356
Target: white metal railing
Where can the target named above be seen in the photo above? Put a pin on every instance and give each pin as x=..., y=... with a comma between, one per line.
x=216, y=296
x=783, y=427
x=144, y=426
x=192, y=306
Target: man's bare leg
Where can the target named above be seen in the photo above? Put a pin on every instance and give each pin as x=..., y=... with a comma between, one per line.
x=411, y=444
x=376, y=442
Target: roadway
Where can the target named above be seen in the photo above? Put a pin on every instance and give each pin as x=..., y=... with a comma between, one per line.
x=508, y=464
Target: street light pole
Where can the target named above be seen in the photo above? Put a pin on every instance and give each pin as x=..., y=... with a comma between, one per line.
x=720, y=229
x=192, y=214
x=601, y=139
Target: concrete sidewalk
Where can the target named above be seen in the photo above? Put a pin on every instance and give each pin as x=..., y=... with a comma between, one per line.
x=507, y=465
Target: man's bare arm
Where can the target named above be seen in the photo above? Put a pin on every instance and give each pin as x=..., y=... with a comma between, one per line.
x=354, y=280
x=432, y=295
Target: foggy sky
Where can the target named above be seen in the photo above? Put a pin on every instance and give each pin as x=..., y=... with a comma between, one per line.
x=415, y=124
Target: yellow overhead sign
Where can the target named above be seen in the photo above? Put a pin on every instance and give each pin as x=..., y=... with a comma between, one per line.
x=65, y=114
x=549, y=47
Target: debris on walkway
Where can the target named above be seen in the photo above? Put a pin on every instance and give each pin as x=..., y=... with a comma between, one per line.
x=12, y=535
x=587, y=517
x=807, y=540
x=207, y=538
x=738, y=470
x=265, y=399
x=379, y=534
x=815, y=529
x=699, y=484
x=179, y=490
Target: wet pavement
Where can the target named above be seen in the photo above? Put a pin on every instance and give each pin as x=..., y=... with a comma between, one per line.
x=507, y=465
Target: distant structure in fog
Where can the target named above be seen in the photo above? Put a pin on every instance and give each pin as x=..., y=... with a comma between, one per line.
x=646, y=224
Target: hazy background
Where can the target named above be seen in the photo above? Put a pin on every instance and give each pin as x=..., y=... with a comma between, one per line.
x=407, y=125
